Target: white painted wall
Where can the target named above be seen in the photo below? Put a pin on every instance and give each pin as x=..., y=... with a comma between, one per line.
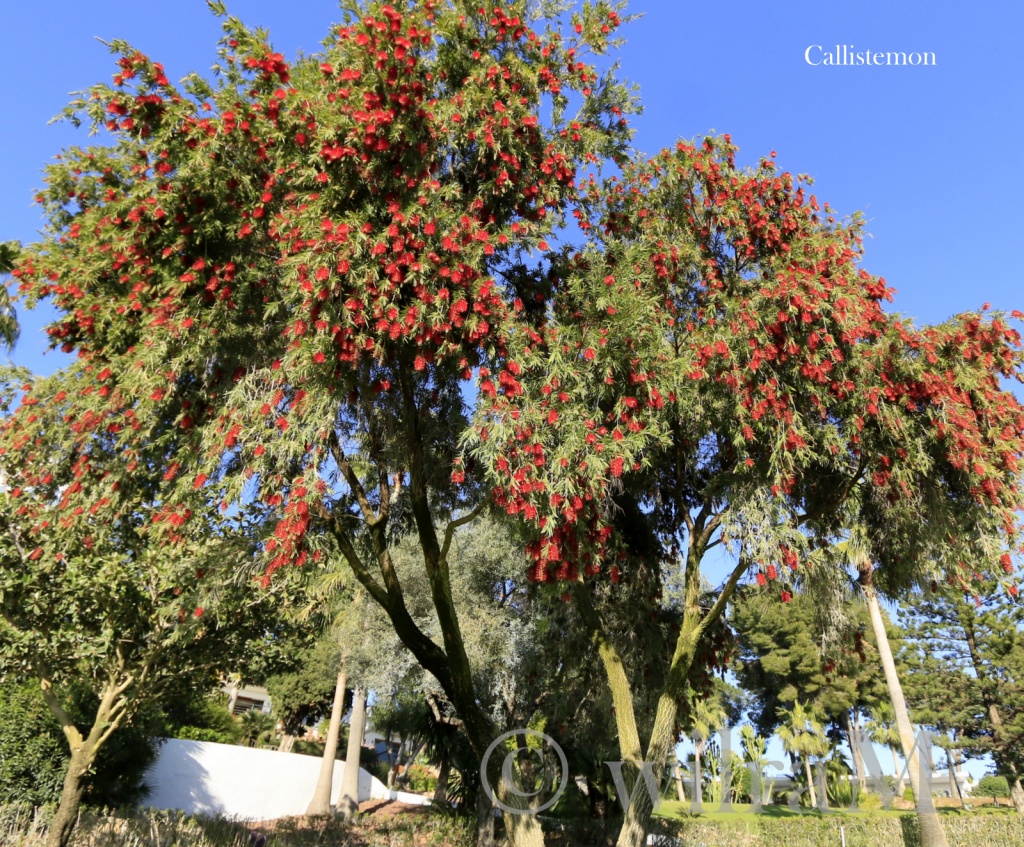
x=243, y=783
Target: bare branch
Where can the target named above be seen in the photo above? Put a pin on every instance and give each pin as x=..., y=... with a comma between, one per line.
x=716, y=610
x=449, y=531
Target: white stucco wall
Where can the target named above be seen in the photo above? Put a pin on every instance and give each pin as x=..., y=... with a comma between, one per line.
x=201, y=777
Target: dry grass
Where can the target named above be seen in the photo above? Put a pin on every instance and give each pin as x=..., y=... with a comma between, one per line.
x=21, y=826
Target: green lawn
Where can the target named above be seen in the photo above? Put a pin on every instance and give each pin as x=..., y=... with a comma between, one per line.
x=741, y=812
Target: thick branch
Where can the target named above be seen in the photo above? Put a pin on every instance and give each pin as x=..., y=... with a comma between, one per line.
x=369, y=515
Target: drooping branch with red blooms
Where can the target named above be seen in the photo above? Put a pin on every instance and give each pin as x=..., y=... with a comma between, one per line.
x=717, y=369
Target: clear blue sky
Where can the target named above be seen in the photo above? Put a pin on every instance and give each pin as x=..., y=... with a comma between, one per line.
x=933, y=156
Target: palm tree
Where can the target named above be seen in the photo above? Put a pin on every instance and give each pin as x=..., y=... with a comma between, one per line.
x=857, y=552
x=254, y=724
x=335, y=608
x=755, y=752
x=803, y=736
x=707, y=717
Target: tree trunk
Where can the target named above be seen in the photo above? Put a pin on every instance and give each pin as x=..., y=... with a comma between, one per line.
x=321, y=802
x=348, y=801
x=1017, y=795
x=109, y=716
x=897, y=772
x=441, y=792
x=810, y=781
x=663, y=731
x=677, y=775
x=932, y=834
x=70, y=800
x=853, y=731
x=484, y=820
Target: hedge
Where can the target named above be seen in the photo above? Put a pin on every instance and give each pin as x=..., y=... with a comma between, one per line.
x=962, y=829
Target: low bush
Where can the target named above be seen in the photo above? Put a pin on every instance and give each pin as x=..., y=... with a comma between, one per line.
x=992, y=786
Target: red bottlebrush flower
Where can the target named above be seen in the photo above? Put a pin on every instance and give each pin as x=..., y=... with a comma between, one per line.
x=200, y=481
x=319, y=358
x=786, y=596
x=199, y=611
x=589, y=354
x=1013, y=590
x=458, y=477
x=761, y=580
x=616, y=466
x=615, y=574
x=771, y=571
x=1006, y=562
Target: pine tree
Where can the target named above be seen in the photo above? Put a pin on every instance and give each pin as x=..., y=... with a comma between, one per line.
x=966, y=659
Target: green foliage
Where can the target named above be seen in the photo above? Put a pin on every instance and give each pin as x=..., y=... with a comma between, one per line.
x=9, y=330
x=199, y=717
x=992, y=786
x=151, y=828
x=859, y=830
x=419, y=779
x=302, y=696
x=34, y=753
x=781, y=659
x=965, y=656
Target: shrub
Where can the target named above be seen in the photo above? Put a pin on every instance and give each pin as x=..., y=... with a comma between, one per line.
x=992, y=786
x=419, y=779
x=201, y=717
x=34, y=753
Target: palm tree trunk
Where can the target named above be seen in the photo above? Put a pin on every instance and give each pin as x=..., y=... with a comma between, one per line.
x=897, y=772
x=810, y=781
x=677, y=775
x=932, y=834
x=321, y=802
x=348, y=802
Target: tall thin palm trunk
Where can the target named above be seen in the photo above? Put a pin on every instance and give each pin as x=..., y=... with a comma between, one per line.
x=810, y=781
x=348, y=802
x=321, y=802
x=932, y=834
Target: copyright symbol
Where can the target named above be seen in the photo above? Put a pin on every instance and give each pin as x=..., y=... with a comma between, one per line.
x=508, y=779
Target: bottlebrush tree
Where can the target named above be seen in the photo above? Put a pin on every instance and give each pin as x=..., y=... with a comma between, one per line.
x=296, y=265
x=91, y=600
x=717, y=370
